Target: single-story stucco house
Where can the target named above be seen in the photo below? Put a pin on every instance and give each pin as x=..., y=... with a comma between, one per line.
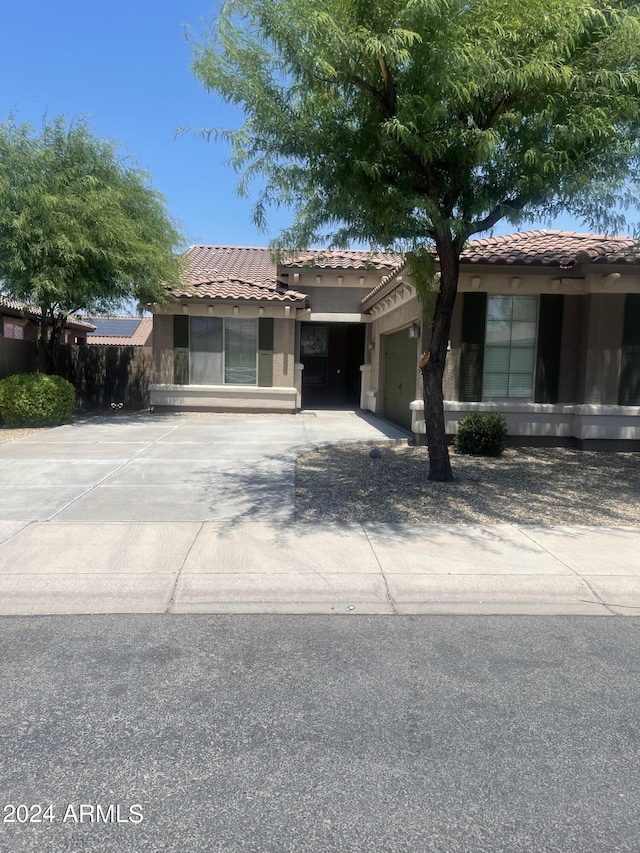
x=546, y=329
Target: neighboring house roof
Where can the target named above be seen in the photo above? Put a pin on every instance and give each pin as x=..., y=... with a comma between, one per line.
x=121, y=331
x=17, y=308
x=234, y=272
x=544, y=248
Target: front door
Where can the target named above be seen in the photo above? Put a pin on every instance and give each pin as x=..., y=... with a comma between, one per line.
x=400, y=371
x=331, y=354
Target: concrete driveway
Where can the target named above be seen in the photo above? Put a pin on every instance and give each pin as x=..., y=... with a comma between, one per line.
x=103, y=516
x=169, y=467
x=184, y=514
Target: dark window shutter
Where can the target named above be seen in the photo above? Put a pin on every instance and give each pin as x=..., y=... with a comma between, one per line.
x=474, y=314
x=180, y=349
x=180, y=331
x=265, y=352
x=630, y=375
x=549, y=345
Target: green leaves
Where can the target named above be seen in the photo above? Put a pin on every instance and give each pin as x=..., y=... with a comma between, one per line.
x=36, y=400
x=79, y=227
x=378, y=119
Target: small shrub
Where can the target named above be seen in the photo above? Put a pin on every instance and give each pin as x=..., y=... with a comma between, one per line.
x=481, y=434
x=35, y=399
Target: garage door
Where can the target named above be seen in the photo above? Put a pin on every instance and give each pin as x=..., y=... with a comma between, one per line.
x=400, y=371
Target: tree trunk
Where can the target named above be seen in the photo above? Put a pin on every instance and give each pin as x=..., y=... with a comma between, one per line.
x=433, y=370
x=49, y=339
x=42, y=342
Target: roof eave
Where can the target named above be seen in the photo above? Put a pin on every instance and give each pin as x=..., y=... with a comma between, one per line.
x=388, y=287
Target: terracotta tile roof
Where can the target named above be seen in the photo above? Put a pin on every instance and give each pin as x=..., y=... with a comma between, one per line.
x=15, y=304
x=562, y=249
x=33, y=312
x=345, y=259
x=121, y=331
x=234, y=288
x=74, y=322
x=234, y=272
x=255, y=264
x=243, y=263
x=387, y=278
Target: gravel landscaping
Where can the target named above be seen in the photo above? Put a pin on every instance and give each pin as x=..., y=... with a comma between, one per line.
x=552, y=486
x=7, y=435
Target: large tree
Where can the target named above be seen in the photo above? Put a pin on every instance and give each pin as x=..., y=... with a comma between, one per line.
x=80, y=227
x=418, y=123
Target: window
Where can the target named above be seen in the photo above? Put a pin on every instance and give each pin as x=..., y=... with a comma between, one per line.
x=314, y=354
x=13, y=330
x=205, y=347
x=240, y=352
x=223, y=351
x=510, y=347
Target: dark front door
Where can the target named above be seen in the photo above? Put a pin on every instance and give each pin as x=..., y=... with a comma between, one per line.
x=331, y=354
x=400, y=370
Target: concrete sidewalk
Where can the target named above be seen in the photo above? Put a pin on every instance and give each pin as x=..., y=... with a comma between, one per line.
x=263, y=567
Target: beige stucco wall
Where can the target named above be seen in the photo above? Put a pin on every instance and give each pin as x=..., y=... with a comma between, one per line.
x=340, y=300
x=221, y=398
x=284, y=336
x=334, y=291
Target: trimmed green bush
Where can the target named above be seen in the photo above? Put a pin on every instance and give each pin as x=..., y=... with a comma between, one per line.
x=481, y=434
x=35, y=400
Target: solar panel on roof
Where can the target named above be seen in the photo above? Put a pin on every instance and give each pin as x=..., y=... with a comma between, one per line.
x=114, y=328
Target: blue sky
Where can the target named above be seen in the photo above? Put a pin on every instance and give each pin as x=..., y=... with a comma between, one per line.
x=126, y=66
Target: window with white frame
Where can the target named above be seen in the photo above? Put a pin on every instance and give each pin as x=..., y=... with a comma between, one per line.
x=223, y=351
x=510, y=347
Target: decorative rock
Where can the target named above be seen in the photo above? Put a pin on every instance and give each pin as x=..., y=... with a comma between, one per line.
x=375, y=453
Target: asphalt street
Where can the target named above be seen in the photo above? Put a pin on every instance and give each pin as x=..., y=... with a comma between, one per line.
x=314, y=733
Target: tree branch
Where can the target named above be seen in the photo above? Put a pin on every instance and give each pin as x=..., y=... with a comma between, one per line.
x=389, y=87
x=497, y=213
x=497, y=112
x=379, y=97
